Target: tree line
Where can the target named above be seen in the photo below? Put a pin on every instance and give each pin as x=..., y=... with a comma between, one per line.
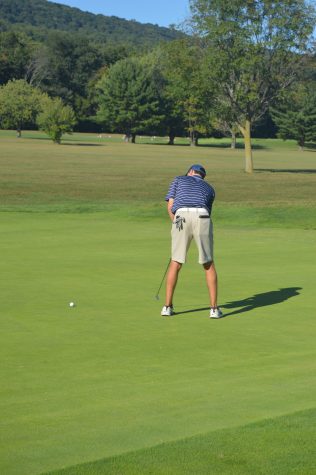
x=240, y=65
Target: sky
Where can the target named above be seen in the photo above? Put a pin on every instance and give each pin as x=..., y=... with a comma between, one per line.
x=162, y=13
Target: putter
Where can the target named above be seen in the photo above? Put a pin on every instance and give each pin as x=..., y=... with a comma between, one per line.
x=157, y=294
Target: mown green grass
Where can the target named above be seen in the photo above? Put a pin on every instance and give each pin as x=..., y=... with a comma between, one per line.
x=111, y=376
x=280, y=446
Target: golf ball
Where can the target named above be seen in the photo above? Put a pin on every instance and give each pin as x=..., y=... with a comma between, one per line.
x=71, y=304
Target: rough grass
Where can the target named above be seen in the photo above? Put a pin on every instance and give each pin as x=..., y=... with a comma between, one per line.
x=35, y=173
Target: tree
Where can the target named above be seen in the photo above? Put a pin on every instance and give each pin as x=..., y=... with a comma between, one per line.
x=255, y=50
x=183, y=68
x=227, y=128
x=172, y=121
x=223, y=120
x=38, y=66
x=129, y=98
x=71, y=63
x=19, y=104
x=296, y=116
x=66, y=66
x=15, y=53
x=56, y=119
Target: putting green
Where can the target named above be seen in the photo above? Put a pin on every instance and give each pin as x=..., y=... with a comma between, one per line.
x=111, y=375
x=279, y=446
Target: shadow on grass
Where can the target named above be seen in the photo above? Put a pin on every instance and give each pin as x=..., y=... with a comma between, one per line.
x=80, y=144
x=72, y=143
x=264, y=299
x=310, y=147
x=193, y=310
x=239, y=146
x=293, y=170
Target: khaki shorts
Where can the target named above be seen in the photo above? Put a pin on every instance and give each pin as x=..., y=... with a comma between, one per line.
x=192, y=223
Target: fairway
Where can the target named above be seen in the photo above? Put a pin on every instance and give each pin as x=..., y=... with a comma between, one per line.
x=86, y=222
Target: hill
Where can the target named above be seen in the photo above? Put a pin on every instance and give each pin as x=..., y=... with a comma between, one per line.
x=38, y=14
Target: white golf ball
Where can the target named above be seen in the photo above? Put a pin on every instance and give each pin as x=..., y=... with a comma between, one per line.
x=72, y=304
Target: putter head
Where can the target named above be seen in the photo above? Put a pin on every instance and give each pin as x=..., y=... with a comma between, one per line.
x=157, y=297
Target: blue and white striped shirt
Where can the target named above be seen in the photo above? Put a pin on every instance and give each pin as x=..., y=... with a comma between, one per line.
x=191, y=192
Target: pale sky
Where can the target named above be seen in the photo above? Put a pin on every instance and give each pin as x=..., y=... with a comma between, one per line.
x=162, y=12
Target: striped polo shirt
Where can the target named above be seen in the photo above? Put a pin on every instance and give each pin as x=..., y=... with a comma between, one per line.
x=191, y=192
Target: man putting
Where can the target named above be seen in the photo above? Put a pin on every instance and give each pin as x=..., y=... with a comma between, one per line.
x=189, y=202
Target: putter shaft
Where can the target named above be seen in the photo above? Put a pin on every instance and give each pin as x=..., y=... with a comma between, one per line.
x=157, y=294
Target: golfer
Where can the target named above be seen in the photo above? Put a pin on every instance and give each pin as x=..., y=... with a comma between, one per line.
x=189, y=204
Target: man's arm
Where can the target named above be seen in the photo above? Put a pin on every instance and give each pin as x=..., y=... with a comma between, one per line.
x=169, y=206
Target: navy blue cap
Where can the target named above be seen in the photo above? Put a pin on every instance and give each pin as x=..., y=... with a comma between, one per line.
x=198, y=168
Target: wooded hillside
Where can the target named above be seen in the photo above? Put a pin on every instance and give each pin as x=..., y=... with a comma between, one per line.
x=35, y=15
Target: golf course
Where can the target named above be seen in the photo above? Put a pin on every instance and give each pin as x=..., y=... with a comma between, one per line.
x=108, y=386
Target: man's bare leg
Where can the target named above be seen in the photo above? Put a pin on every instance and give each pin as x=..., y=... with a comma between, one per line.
x=172, y=278
x=211, y=281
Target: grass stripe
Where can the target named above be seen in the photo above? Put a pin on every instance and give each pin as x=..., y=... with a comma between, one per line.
x=283, y=445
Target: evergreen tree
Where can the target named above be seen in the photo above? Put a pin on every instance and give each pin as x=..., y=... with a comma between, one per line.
x=129, y=98
x=296, y=117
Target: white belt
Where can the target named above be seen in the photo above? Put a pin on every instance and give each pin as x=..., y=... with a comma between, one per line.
x=194, y=210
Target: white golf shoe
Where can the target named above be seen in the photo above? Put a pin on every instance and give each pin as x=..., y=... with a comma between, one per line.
x=167, y=311
x=216, y=313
